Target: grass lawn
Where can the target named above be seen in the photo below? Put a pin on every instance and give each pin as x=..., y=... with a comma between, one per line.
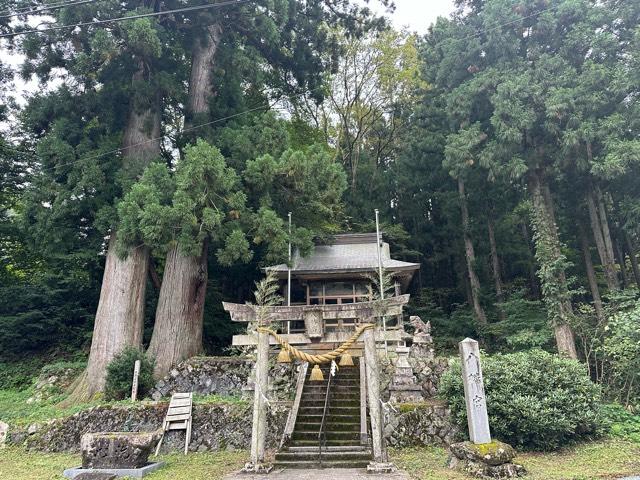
x=15, y=410
x=598, y=460
x=607, y=459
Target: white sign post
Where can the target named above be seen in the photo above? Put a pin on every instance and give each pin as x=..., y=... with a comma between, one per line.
x=477, y=417
x=134, y=386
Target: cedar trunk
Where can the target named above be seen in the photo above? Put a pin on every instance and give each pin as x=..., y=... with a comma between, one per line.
x=533, y=278
x=177, y=334
x=470, y=256
x=591, y=274
x=548, y=254
x=495, y=264
x=605, y=253
x=632, y=257
x=119, y=318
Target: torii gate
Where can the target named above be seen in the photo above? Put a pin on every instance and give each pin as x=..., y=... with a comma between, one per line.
x=314, y=316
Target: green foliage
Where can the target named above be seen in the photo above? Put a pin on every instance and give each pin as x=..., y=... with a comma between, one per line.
x=621, y=423
x=523, y=327
x=536, y=400
x=120, y=374
x=621, y=346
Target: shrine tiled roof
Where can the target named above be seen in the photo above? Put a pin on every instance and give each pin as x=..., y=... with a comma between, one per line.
x=347, y=253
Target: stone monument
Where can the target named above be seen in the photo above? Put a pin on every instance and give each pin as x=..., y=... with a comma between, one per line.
x=4, y=430
x=422, y=341
x=404, y=387
x=481, y=456
x=123, y=454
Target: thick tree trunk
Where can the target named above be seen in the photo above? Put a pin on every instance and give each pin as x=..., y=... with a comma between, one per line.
x=201, y=79
x=622, y=262
x=177, y=334
x=534, y=286
x=591, y=274
x=605, y=253
x=470, y=255
x=120, y=315
x=602, y=213
x=495, y=263
x=549, y=256
x=632, y=258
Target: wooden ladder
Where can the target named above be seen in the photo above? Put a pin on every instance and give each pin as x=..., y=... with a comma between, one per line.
x=178, y=418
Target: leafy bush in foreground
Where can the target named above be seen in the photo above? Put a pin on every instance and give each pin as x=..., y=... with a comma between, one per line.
x=535, y=399
x=120, y=374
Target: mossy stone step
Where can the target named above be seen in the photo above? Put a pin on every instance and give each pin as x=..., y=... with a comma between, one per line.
x=330, y=443
x=329, y=427
x=318, y=410
x=300, y=464
x=326, y=455
x=329, y=435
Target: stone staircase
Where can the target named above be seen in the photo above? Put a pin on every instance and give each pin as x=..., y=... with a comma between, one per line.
x=342, y=448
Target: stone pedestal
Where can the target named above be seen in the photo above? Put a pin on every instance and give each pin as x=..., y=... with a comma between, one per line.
x=488, y=460
x=4, y=430
x=422, y=347
x=115, y=455
x=404, y=388
x=117, y=449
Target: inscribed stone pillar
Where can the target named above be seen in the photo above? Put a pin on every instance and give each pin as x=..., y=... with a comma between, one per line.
x=476, y=403
x=259, y=430
x=373, y=395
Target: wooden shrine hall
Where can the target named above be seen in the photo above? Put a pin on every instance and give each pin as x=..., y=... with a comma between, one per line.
x=333, y=315
x=331, y=292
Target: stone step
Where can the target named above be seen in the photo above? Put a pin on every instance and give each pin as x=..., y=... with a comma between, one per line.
x=351, y=448
x=334, y=388
x=353, y=436
x=332, y=396
x=300, y=464
x=343, y=403
x=350, y=426
x=318, y=409
x=329, y=427
x=330, y=443
x=325, y=455
x=317, y=418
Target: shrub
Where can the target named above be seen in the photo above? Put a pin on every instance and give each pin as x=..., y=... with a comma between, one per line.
x=535, y=399
x=621, y=423
x=120, y=374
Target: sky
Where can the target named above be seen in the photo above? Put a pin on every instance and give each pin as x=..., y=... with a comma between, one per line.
x=416, y=15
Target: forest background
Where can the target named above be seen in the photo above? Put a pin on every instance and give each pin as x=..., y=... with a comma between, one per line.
x=501, y=148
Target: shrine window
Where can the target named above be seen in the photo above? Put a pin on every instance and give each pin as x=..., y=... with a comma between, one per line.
x=337, y=293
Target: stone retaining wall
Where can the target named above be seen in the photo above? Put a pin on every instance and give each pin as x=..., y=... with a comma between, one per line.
x=216, y=426
x=418, y=424
x=225, y=376
x=222, y=426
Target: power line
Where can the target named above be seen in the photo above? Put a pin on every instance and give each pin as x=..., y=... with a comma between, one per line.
x=121, y=149
x=32, y=7
x=32, y=11
x=132, y=17
x=251, y=109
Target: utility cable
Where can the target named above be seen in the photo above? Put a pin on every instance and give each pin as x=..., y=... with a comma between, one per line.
x=131, y=17
x=46, y=8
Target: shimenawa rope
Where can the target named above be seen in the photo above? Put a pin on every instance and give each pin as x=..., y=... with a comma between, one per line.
x=317, y=359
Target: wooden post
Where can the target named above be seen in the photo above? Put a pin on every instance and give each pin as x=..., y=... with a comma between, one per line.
x=136, y=376
x=373, y=395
